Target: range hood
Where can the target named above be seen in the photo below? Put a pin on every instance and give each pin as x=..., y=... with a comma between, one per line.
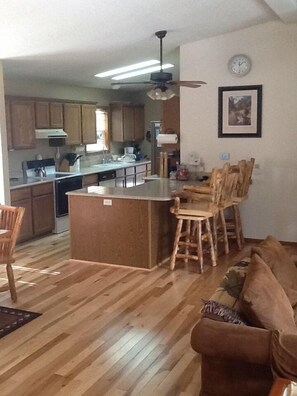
x=50, y=133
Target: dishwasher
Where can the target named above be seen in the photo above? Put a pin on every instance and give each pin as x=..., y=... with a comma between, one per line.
x=107, y=178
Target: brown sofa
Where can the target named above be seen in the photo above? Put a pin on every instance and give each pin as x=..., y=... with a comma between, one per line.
x=247, y=334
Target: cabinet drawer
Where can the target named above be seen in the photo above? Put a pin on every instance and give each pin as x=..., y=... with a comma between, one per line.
x=20, y=193
x=141, y=169
x=130, y=171
x=42, y=189
x=120, y=172
x=89, y=180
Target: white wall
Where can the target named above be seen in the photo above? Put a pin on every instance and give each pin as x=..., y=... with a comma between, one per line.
x=272, y=204
x=4, y=180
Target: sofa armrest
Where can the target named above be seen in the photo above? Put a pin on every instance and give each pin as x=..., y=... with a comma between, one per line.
x=232, y=342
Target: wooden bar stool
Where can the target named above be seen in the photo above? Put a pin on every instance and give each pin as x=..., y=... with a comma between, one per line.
x=196, y=214
x=234, y=224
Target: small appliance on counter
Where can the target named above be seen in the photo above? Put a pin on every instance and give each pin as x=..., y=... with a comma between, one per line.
x=70, y=163
x=129, y=155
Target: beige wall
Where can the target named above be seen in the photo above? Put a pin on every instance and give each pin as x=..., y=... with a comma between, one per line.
x=271, y=207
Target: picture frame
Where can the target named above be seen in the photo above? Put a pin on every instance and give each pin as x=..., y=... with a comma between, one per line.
x=240, y=111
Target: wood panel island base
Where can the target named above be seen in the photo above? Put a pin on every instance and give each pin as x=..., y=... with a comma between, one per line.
x=130, y=227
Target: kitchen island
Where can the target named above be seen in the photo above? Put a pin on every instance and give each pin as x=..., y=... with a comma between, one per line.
x=123, y=226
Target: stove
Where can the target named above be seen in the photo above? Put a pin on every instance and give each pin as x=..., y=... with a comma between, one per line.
x=63, y=183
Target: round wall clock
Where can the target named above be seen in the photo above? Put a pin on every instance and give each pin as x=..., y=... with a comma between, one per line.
x=239, y=65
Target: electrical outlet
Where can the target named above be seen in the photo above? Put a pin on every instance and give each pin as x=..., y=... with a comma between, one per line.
x=225, y=156
x=107, y=202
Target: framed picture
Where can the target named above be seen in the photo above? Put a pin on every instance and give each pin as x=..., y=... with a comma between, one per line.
x=240, y=111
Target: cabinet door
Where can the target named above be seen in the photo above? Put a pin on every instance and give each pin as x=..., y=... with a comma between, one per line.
x=128, y=123
x=26, y=231
x=120, y=182
x=139, y=179
x=56, y=115
x=72, y=123
x=22, y=124
x=138, y=123
x=171, y=115
x=117, y=124
x=43, y=214
x=130, y=181
x=88, y=114
x=8, y=125
x=42, y=115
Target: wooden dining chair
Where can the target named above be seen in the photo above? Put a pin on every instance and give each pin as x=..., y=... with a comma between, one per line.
x=10, y=222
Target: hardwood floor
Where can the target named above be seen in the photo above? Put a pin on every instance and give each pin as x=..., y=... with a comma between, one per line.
x=103, y=330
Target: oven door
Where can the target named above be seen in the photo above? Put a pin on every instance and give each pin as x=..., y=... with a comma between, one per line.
x=62, y=186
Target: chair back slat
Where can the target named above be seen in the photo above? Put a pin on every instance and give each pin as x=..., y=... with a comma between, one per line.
x=11, y=220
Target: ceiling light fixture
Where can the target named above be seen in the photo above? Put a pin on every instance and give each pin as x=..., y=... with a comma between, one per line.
x=160, y=93
x=128, y=68
x=141, y=72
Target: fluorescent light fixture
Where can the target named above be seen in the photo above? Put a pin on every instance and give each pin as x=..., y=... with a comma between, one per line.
x=142, y=71
x=128, y=68
x=163, y=93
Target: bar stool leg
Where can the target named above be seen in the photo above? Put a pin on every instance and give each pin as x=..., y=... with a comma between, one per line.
x=215, y=234
x=175, y=246
x=237, y=226
x=187, y=240
x=212, y=249
x=224, y=227
x=199, y=245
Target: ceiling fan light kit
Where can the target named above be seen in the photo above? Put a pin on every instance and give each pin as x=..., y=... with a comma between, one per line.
x=162, y=93
x=160, y=79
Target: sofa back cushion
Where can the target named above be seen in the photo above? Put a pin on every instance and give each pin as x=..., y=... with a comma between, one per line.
x=263, y=300
x=281, y=264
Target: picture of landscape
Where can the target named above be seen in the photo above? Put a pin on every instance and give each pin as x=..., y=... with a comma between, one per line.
x=239, y=110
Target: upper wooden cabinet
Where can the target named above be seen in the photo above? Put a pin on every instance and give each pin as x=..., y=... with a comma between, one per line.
x=22, y=116
x=72, y=123
x=80, y=123
x=48, y=114
x=127, y=123
x=171, y=115
x=88, y=118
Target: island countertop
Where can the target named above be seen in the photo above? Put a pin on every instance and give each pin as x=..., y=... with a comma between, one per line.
x=154, y=190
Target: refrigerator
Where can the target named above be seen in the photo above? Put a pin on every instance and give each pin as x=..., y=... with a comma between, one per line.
x=173, y=152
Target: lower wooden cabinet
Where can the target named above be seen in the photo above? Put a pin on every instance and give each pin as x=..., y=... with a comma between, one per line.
x=38, y=202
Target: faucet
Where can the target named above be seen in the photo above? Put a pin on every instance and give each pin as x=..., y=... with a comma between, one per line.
x=40, y=172
x=104, y=159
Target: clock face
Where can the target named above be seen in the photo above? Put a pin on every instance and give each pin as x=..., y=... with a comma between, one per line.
x=239, y=65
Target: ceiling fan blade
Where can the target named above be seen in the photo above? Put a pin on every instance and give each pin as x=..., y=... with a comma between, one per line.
x=191, y=84
x=132, y=82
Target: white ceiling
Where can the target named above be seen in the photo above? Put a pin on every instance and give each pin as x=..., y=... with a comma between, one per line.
x=68, y=41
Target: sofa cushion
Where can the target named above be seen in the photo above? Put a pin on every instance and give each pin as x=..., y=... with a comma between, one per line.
x=284, y=355
x=281, y=264
x=263, y=300
x=214, y=310
x=228, y=292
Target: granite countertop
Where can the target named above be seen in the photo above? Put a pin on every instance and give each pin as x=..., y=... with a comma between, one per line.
x=155, y=190
x=20, y=181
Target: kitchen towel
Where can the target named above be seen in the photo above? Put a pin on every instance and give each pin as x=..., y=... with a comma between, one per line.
x=167, y=138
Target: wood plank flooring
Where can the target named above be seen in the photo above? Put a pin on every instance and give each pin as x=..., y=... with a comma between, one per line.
x=103, y=330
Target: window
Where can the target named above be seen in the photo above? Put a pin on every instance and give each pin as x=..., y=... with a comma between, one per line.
x=102, y=132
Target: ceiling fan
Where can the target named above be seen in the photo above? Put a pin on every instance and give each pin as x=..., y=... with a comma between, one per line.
x=161, y=80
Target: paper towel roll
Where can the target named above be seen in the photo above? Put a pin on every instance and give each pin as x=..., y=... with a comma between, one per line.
x=167, y=138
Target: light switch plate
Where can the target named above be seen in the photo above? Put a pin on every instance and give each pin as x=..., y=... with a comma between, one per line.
x=224, y=156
